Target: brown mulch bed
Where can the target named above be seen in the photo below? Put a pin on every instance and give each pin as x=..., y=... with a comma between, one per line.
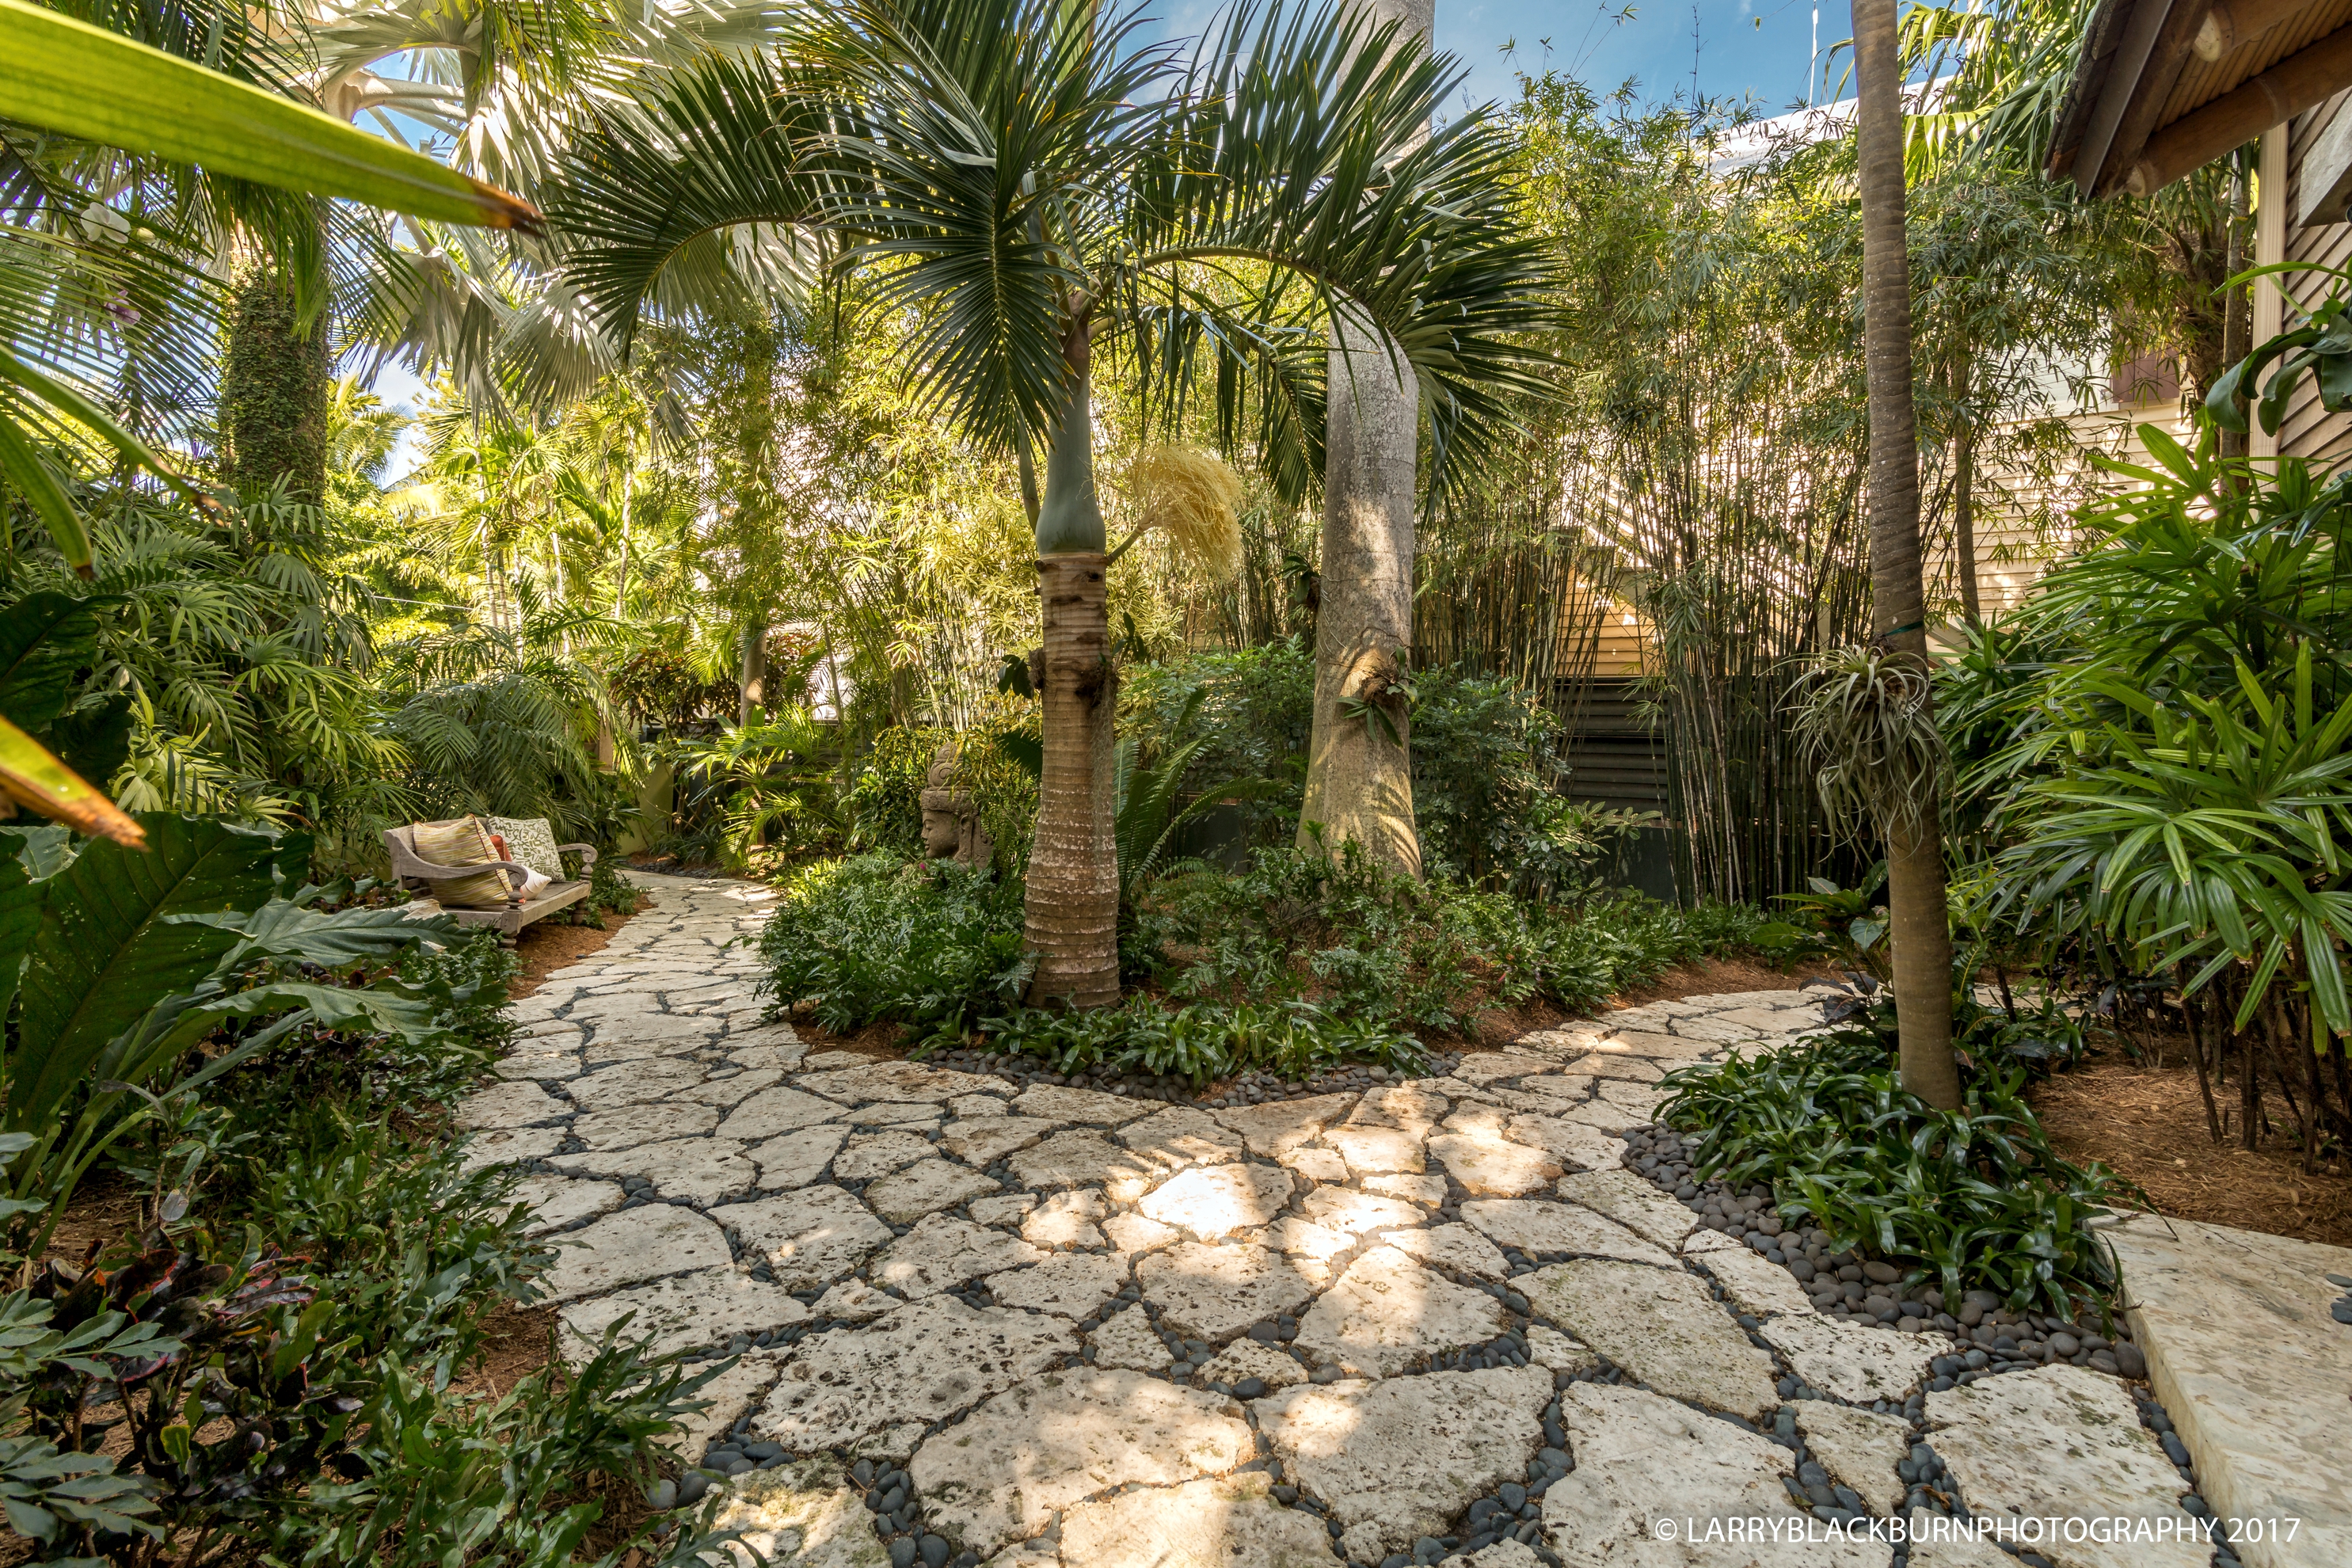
x=545, y=948
x=2147, y=1124
x=1712, y=976
x=517, y=1342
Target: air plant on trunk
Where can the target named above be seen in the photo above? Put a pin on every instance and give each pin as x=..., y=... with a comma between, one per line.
x=1038, y=188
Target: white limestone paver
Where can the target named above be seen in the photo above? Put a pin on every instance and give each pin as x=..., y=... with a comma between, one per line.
x=1399, y=1460
x=807, y=1513
x=879, y=1386
x=877, y=1201
x=701, y=1168
x=1079, y=1105
x=1489, y=1164
x=1073, y=1284
x=556, y=1202
x=1052, y=1441
x=1754, y=1283
x=518, y=1102
x=2063, y=1440
x=2266, y=1429
x=1210, y=1200
x=628, y=1127
x=1230, y=1520
x=1858, y=1364
x=795, y=1159
x=810, y=1237
x=1644, y=1462
x=1086, y=1159
x=1245, y=1359
x=980, y=1142
x=925, y=1186
x=631, y=1247
x=1858, y=1449
x=1275, y=1129
x=1386, y=1312
x=1536, y=1226
x=1062, y=1219
x=1454, y=1246
x=728, y=1394
x=1633, y=1203
x=1215, y=1292
x=704, y=1308
x=1182, y=1135
x=1127, y=1339
x=943, y=1252
x=1662, y=1325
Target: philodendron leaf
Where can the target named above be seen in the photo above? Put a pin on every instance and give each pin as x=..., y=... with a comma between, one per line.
x=107, y=949
x=281, y=929
x=46, y=639
x=102, y=87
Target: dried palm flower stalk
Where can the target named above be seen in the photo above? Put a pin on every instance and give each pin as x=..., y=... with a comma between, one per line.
x=1196, y=498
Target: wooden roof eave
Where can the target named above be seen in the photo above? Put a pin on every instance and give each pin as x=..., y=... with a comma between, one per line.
x=2119, y=128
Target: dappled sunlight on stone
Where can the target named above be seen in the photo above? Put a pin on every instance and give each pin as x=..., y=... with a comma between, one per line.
x=1211, y=1201
x=1386, y=1311
x=1047, y=1444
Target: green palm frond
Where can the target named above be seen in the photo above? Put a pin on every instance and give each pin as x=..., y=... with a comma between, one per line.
x=1016, y=172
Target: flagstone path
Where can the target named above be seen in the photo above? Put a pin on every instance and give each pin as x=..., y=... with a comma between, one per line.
x=1455, y=1319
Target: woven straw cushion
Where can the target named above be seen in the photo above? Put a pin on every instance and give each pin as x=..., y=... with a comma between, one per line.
x=529, y=842
x=463, y=841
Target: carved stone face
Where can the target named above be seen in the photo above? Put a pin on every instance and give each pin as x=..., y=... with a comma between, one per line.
x=941, y=835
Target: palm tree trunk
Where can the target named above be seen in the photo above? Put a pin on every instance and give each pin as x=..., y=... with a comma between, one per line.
x=1918, y=923
x=1359, y=753
x=755, y=669
x=2237, y=306
x=1964, y=485
x=274, y=390
x=1072, y=907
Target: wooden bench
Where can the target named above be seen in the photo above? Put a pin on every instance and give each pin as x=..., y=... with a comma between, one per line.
x=419, y=876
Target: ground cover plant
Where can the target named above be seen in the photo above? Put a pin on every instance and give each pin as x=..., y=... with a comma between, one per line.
x=1295, y=964
x=1968, y=1199
x=269, y=1364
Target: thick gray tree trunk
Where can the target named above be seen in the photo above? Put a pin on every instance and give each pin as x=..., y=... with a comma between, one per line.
x=1360, y=758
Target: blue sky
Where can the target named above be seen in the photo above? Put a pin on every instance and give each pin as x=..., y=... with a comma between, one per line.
x=1602, y=44
x=1651, y=43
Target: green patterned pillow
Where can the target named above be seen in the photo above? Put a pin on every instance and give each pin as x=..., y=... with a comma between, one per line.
x=462, y=841
x=529, y=842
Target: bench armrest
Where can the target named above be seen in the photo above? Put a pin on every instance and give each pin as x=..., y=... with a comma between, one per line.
x=587, y=853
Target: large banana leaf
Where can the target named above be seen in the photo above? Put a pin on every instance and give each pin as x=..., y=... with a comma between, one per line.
x=109, y=946
x=31, y=775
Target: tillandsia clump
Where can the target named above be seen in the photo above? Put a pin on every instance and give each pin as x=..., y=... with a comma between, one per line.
x=1865, y=719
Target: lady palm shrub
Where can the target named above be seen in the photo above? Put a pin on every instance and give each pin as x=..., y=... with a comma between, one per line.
x=2156, y=760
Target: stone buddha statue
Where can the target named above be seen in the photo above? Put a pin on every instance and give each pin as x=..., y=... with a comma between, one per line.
x=951, y=829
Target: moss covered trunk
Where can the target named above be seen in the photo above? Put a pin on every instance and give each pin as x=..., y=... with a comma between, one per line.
x=273, y=398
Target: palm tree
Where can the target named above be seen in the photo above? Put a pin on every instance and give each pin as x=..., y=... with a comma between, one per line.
x=1918, y=925
x=1038, y=188
x=1360, y=751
